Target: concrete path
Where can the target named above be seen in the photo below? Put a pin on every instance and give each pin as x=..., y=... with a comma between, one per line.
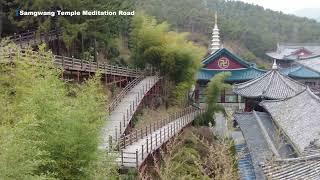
x=120, y=117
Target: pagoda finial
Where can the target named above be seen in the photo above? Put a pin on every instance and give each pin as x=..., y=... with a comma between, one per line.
x=215, y=42
x=274, y=66
x=216, y=19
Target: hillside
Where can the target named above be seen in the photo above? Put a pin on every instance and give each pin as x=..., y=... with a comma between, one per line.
x=251, y=26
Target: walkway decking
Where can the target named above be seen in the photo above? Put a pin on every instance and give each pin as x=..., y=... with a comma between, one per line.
x=122, y=114
x=136, y=153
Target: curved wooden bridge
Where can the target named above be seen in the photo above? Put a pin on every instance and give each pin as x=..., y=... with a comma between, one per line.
x=130, y=150
x=137, y=146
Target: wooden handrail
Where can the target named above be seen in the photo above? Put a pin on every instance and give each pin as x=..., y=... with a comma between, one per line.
x=71, y=63
x=114, y=103
x=31, y=35
x=148, y=129
x=156, y=139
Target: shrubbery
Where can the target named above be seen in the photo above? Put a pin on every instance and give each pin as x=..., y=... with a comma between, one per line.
x=153, y=44
x=48, y=128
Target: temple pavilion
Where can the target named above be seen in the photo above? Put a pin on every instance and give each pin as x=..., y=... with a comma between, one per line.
x=287, y=53
x=289, y=56
x=270, y=86
x=313, y=65
x=222, y=60
x=283, y=141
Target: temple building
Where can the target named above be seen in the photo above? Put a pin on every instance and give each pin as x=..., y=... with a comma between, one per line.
x=313, y=66
x=287, y=53
x=283, y=141
x=270, y=86
x=222, y=60
x=289, y=56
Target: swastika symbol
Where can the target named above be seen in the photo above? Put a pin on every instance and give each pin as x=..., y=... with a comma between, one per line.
x=223, y=63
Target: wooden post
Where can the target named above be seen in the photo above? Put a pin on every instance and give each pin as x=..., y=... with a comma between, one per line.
x=147, y=145
x=72, y=62
x=150, y=128
x=124, y=142
x=81, y=64
x=156, y=140
x=142, y=149
x=151, y=143
x=122, y=157
x=146, y=130
x=168, y=131
x=160, y=136
x=62, y=62
x=137, y=160
x=78, y=76
x=130, y=138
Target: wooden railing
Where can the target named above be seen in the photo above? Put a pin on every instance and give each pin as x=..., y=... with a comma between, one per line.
x=133, y=106
x=33, y=35
x=155, y=138
x=114, y=103
x=83, y=65
x=70, y=63
x=148, y=129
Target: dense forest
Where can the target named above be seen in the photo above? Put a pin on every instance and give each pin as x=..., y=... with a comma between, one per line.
x=250, y=26
x=50, y=128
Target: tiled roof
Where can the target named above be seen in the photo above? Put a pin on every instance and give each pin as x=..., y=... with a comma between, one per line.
x=238, y=75
x=300, y=72
x=263, y=138
x=301, y=168
x=285, y=50
x=272, y=85
x=298, y=117
x=257, y=145
x=221, y=51
x=312, y=63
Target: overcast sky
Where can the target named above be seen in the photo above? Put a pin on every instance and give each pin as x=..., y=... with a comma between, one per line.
x=287, y=6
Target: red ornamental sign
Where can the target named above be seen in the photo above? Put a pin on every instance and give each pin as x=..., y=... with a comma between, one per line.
x=223, y=63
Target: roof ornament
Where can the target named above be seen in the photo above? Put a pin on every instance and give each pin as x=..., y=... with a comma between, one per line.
x=274, y=66
x=215, y=42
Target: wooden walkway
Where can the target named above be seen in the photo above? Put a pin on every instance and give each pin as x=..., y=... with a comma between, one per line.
x=123, y=109
x=76, y=65
x=33, y=38
x=142, y=143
